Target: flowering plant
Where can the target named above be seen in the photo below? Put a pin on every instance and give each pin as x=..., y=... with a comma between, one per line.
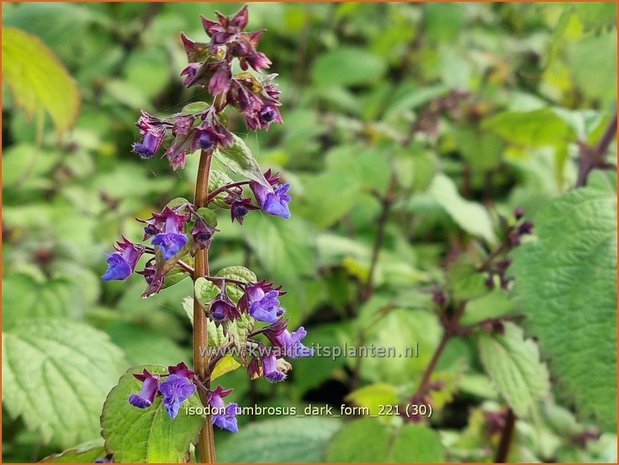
x=231, y=309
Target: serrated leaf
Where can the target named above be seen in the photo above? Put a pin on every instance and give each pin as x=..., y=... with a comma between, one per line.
x=146, y=435
x=205, y=291
x=239, y=329
x=38, y=80
x=470, y=216
x=84, y=453
x=368, y=440
x=513, y=364
x=239, y=158
x=279, y=440
x=56, y=374
x=225, y=365
x=566, y=282
x=239, y=273
x=26, y=297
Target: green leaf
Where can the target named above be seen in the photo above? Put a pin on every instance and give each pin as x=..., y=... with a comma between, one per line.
x=285, y=248
x=205, y=291
x=238, y=158
x=279, y=440
x=84, y=453
x=401, y=329
x=596, y=15
x=239, y=273
x=362, y=67
x=26, y=297
x=368, y=440
x=194, y=107
x=533, y=128
x=464, y=280
x=374, y=396
x=56, y=374
x=481, y=149
x=470, y=216
x=146, y=435
x=566, y=282
x=225, y=365
x=217, y=179
x=514, y=366
x=38, y=80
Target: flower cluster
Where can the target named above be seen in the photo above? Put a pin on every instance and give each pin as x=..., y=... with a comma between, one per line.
x=211, y=66
x=246, y=312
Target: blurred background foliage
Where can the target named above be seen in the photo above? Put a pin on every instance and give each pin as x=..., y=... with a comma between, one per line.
x=459, y=112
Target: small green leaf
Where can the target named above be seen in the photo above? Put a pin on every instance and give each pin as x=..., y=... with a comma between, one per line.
x=56, y=374
x=38, y=80
x=194, y=107
x=146, y=435
x=84, y=453
x=513, y=364
x=225, y=365
x=239, y=273
x=470, y=216
x=464, y=280
x=205, y=291
x=374, y=397
x=238, y=158
x=177, y=202
x=279, y=440
x=217, y=179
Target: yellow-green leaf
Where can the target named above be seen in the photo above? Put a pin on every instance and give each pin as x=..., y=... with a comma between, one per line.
x=375, y=397
x=38, y=80
x=225, y=365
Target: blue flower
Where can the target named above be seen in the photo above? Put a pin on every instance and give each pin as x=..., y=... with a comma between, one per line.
x=145, y=397
x=273, y=200
x=170, y=243
x=271, y=370
x=176, y=389
x=291, y=343
x=222, y=415
x=122, y=262
x=264, y=306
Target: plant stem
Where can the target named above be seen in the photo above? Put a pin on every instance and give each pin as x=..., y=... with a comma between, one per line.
x=448, y=333
x=386, y=203
x=592, y=157
x=206, y=441
x=502, y=453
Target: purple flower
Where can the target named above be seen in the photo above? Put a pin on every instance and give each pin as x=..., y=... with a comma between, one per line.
x=182, y=370
x=170, y=243
x=191, y=73
x=291, y=343
x=239, y=208
x=150, y=144
x=220, y=80
x=222, y=308
x=274, y=200
x=263, y=303
x=175, y=389
x=221, y=415
x=172, y=239
x=202, y=233
x=146, y=396
x=122, y=262
x=271, y=370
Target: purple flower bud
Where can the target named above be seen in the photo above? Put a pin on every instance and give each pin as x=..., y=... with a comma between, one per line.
x=122, y=262
x=222, y=416
x=439, y=297
x=519, y=213
x=170, y=243
x=202, y=233
x=176, y=389
x=258, y=60
x=222, y=308
x=182, y=370
x=146, y=396
x=182, y=125
x=291, y=343
x=271, y=370
x=240, y=19
x=205, y=140
x=220, y=80
x=149, y=271
x=191, y=73
x=267, y=114
x=239, y=208
x=525, y=228
x=253, y=369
